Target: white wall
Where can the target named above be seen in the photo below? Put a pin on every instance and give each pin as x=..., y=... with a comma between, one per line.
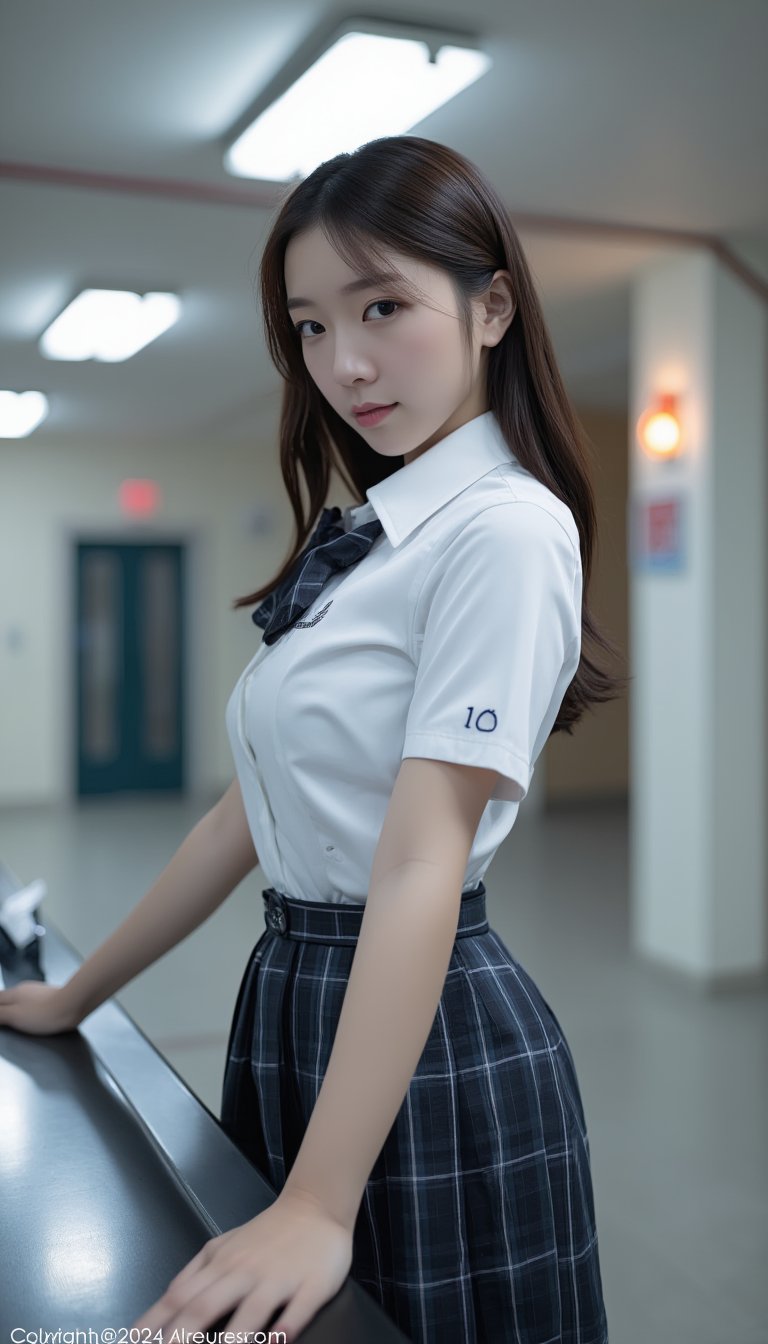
x=51, y=494
x=698, y=786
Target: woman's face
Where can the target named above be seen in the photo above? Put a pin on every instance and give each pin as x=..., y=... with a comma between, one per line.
x=376, y=344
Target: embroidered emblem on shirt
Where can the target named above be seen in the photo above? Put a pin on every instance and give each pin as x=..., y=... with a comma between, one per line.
x=481, y=727
x=302, y=625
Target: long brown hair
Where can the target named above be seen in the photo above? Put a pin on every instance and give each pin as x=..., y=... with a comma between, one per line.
x=424, y=200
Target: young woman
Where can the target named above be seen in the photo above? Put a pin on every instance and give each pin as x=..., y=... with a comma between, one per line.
x=392, y=1068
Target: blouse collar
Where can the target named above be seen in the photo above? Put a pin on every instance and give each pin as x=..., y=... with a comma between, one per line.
x=419, y=488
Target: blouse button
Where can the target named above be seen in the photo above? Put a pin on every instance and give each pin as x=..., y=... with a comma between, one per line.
x=328, y=848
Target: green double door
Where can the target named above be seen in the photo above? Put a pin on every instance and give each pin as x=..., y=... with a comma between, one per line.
x=129, y=667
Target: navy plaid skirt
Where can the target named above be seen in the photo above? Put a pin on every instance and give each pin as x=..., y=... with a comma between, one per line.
x=477, y=1225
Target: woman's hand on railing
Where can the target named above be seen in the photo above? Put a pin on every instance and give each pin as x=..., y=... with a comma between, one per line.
x=37, y=1009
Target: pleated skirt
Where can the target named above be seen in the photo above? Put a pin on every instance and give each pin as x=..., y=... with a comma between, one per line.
x=477, y=1225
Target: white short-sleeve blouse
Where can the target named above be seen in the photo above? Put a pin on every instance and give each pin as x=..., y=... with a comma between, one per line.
x=455, y=637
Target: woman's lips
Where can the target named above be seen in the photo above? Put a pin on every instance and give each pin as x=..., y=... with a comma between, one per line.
x=369, y=418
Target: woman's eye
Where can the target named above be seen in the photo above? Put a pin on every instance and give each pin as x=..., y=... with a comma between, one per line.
x=384, y=303
x=299, y=325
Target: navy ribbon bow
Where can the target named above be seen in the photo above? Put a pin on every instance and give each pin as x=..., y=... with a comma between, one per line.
x=328, y=550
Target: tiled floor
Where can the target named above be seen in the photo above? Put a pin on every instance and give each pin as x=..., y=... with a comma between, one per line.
x=674, y=1082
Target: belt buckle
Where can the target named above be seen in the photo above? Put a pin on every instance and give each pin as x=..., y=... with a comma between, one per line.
x=276, y=913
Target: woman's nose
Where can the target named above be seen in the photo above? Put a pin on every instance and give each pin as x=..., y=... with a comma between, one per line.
x=350, y=363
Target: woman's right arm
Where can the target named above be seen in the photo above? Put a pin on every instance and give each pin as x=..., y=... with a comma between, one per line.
x=208, y=865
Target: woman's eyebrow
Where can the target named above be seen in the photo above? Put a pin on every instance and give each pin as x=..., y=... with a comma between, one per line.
x=364, y=282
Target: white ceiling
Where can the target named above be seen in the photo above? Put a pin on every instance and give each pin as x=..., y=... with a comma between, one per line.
x=639, y=112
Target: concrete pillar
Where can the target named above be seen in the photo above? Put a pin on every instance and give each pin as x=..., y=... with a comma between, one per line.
x=698, y=747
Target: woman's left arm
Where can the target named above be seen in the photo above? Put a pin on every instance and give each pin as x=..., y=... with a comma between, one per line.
x=298, y=1252
x=397, y=977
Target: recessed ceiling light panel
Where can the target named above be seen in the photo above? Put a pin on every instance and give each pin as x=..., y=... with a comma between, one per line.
x=364, y=86
x=108, y=325
x=21, y=412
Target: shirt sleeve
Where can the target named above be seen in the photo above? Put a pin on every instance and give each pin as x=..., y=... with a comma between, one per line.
x=497, y=630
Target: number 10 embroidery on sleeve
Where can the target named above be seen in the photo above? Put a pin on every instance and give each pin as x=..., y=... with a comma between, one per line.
x=481, y=727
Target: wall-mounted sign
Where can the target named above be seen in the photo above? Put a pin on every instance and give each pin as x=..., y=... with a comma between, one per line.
x=656, y=534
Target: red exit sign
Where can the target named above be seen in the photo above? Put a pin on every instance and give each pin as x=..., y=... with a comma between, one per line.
x=139, y=499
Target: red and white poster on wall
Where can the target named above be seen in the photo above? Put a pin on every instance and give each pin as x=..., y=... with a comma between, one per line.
x=656, y=540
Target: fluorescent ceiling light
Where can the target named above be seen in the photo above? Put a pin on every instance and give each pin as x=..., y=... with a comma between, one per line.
x=108, y=325
x=362, y=87
x=20, y=413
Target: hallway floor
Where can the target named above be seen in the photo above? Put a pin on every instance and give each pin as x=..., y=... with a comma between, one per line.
x=674, y=1080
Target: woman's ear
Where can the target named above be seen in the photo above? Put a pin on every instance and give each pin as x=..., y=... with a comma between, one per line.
x=496, y=308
